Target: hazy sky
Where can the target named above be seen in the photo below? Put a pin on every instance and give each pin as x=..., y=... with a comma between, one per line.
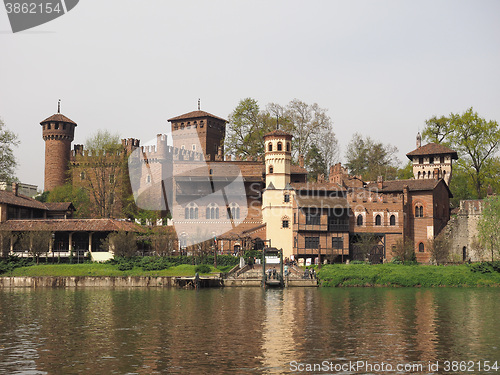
x=380, y=67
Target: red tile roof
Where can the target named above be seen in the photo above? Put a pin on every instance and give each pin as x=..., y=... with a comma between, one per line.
x=8, y=197
x=413, y=185
x=325, y=186
x=195, y=114
x=71, y=225
x=58, y=118
x=432, y=149
x=297, y=169
x=60, y=206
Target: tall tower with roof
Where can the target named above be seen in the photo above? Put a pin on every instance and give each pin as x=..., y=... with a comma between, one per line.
x=278, y=196
x=58, y=132
x=432, y=161
x=199, y=131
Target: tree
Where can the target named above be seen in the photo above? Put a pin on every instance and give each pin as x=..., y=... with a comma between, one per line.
x=99, y=172
x=404, y=251
x=306, y=122
x=371, y=159
x=164, y=241
x=328, y=146
x=315, y=163
x=36, y=242
x=246, y=128
x=439, y=248
x=475, y=140
x=7, y=160
x=122, y=244
x=489, y=226
x=6, y=239
x=76, y=195
x=406, y=172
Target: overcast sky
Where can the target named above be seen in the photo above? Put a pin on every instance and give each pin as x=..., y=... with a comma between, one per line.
x=380, y=67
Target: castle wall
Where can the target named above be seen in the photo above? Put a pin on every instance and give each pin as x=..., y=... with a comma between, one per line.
x=57, y=156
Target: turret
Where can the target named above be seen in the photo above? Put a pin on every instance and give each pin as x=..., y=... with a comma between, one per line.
x=58, y=132
x=278, y=157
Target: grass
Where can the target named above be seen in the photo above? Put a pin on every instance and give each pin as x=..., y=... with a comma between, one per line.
x=405, y=276
x=98, y=269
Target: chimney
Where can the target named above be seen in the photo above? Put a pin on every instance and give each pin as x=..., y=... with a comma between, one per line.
x=301, y=160
x=15, y=188
x=380, y=182
x=321, y=178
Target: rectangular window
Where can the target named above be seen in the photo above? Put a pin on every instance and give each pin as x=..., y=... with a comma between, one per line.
x=313, y=218
x=337, y=242
x=312, y=242
x=287, y=198
x=285, y=223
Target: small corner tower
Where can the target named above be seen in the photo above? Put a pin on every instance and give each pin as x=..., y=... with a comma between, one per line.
x=432, y=161
x=278, y=157
x=58, y=132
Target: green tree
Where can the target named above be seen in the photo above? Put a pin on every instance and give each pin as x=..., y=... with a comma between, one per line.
x=406, y=172
x=475, y=140
x=371, y=159
x=489, y=226
x=439, y=248
x=76, y=195
x=315, y=163
x=246, y=128
x=8, y=140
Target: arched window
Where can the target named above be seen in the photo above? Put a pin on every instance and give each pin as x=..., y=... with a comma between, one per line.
x=378, y=220
x=233, y=211
x=418, y=175
x=392, y=220
x=270, y=146
x=429, y=174
x=288, y=146
x=271, y=169
x=280, y=146
x=359, y=220
x=419, y=211
x=191, y=211
x=212, y=211
x=421, y=247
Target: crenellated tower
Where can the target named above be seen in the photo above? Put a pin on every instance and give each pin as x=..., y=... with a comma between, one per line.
x=58, y=132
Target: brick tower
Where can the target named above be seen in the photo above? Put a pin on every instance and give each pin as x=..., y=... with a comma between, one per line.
x=199, y=131
x=58, y=132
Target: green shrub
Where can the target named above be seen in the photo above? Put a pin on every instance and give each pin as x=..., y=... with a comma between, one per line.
x=203, y=268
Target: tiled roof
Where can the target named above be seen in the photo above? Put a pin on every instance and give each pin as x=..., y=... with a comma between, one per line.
x=59, y=206
x=413, y=185
x=325, y=186
x=58, y=118
x=195, y=114
x=278, y=133
x=432, y=149
x=71, y=225
x=8, y=197
x=297, y=169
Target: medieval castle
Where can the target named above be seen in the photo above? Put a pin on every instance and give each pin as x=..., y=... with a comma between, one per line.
x=324, y=220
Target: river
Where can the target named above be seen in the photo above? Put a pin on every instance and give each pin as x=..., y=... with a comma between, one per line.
x=248, y=330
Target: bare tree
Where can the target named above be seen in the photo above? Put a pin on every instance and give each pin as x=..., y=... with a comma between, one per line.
x=439, y=248
x=122, y=244
x=37, y=242
x=164, y=242
x=100, y=172
x=7, y=238
x=404, y=250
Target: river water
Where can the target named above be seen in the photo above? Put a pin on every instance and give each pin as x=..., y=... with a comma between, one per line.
x=249, y=331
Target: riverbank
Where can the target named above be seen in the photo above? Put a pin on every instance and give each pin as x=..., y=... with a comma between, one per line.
x=100, y=270
x=397, y=275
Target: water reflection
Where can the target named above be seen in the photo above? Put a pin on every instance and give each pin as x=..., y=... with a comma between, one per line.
x=240, y=330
